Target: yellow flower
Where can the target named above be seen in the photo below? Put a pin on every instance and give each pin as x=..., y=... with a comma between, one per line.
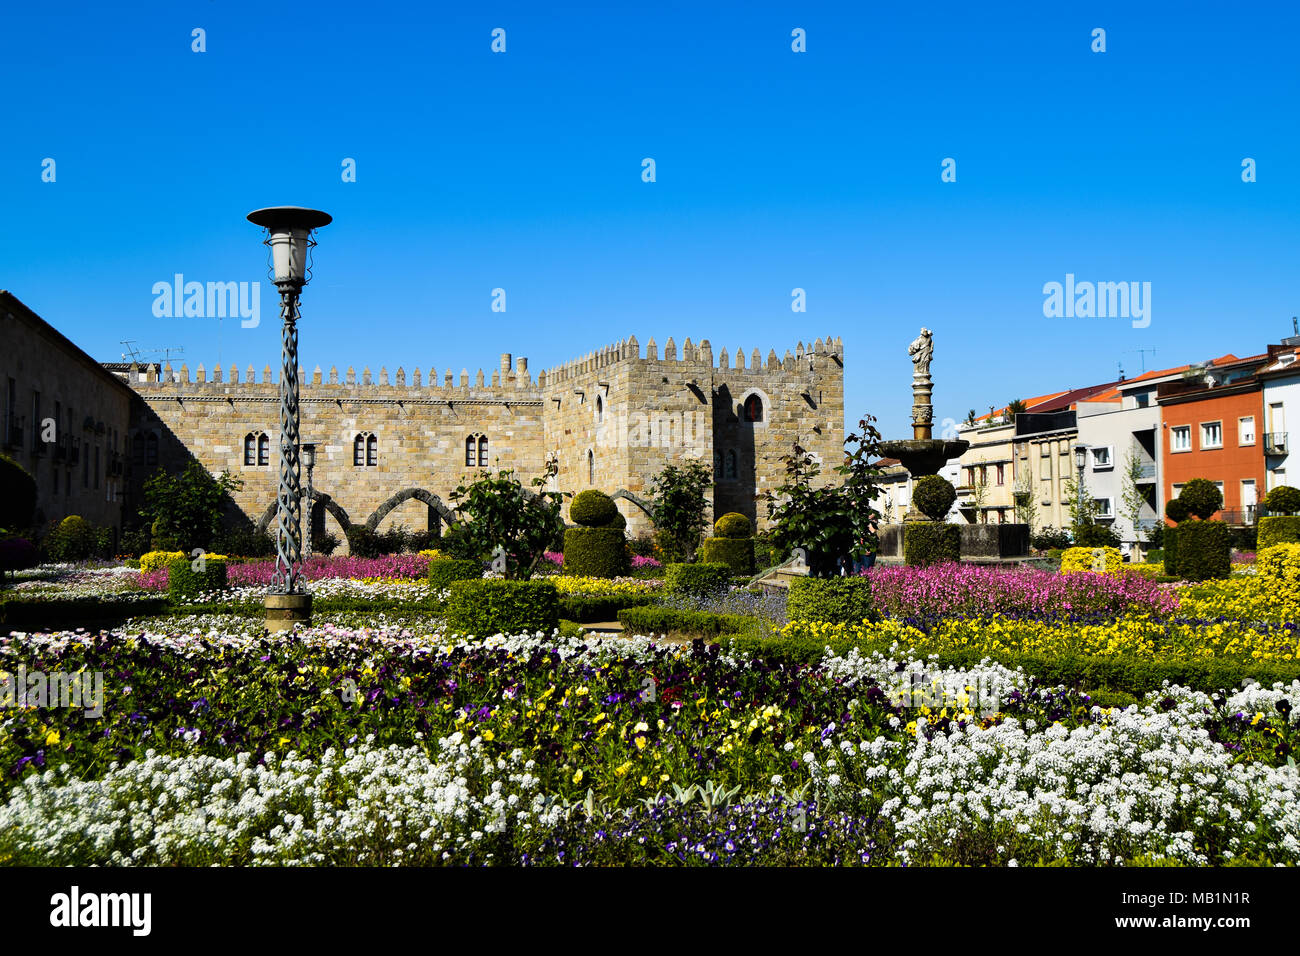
x=51, y=738
x=488, y=735
x=577, y=777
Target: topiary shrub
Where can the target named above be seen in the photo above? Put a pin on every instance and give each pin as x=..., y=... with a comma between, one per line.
x=1092, y=535
x=72, y=539
x=1204, y=551
x=17, y=495
x=844, y=600
x=156, y=560
x=698, y=579
x=736, y=553
x=592, y=509
x=733, y=525
x=1280, y=563
x=933, y=542
x=362, y=542
x=18, y=554
x=1098, y=559
x=619, y=522
x=1278, y=529
x=1283, y=500
x=1177, y=511
x=1202, y=498
x=595, y=552
x=184, y=581
x=933, y=496
x=1171, y=551
x=443, y=571
x=485, y=607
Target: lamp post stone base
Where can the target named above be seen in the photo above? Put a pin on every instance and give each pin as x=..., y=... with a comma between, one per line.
x=283, y=611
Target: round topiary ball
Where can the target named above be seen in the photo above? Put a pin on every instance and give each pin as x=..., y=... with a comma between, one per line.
x=733, y=525
x=933, y=496
x=17, y=495
x=1283, y=500
x=1202, y=498
x=619, y=523
x=1176, y=510
x=592, y=509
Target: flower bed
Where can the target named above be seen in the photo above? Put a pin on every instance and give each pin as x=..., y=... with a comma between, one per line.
x=259, y=573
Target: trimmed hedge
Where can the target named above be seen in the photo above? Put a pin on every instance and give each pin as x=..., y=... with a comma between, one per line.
x=183, y=581
x=700, y=579
x=44, y=614
x=733, y=525
x=736, y=553
x=1108, y=561
x=586, y=608
x=485, y=607
x=1284, y=499
x=1202, y=497
x=933, y=496
x=930, y=542
x=844, y=600
x=443, y=571
x=592, y=508
x=666, y=620
x=1278, y=529
x=17, y=495
x=1204, y=550
x=595, y=552
x=1171, y=550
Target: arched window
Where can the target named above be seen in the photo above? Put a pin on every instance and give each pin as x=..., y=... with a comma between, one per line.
x=482, y=451
x=471, y=454
x=250, y=449
x=753, y=409
x=150, y=450
x=717, y=464
x=731, y=464
x=591, y=467
x=372, y=451
x=263, y=449
x=600, y=409
x=359, y=451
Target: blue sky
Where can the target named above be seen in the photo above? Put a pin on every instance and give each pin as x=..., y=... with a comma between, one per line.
x=775, y=170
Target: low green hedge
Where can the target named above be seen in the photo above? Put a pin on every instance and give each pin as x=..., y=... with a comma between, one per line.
x=931, y=542
x=1204, y=550
x=443, y=571
x=595, y=552
x=698, y=579
x=843, y=600
x=587, y=608
x=1171, y=550
x=184, y=581
x=486, y=607
x=1278, y=529
x=667, y=620
x=46, y=614
x=736, y=553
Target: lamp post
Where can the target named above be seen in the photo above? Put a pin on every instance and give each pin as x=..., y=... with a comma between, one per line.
x=289, y=234
x=1080, y=459
x=309, y=460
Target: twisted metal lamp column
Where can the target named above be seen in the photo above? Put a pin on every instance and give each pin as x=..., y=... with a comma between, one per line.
x=288, y=538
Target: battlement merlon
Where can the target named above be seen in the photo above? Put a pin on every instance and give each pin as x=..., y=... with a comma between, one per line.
x=825, y=353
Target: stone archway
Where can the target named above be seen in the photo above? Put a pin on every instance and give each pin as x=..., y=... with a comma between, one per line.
x=317, y=498
x=405, y=495
x=639, y=502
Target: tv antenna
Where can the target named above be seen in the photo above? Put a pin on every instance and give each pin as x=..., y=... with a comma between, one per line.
x=135, y=353
x=1143, y=353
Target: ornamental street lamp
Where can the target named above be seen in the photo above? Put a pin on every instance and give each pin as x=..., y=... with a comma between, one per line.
x=309, y=461
x=289, y=234
x=1080, y=459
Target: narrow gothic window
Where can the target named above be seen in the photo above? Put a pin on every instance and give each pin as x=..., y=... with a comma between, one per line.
x=263, y=449
x=600, y=409
x=591, y=467
x=372, y=451
x=470, y=454
x=359, y=451
x=731, y=464
x=150, y=450
x=137, y=450
x=753, y=409
x=250, y=449
x=482, y=451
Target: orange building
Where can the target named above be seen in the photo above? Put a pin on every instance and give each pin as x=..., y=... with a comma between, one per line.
x=1211, y=425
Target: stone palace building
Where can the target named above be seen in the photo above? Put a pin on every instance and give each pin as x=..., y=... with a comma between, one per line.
x=390, y=448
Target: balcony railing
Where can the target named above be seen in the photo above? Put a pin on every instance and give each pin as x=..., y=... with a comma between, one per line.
x=1240, y=516
x=1275, y=443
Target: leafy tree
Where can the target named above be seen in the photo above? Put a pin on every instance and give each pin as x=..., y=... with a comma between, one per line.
x=501, y=513
x=1074, y=488
x=1131, y=497
x=185, y=510
x=970, y=417
x=1026, y=506
x=679, y=505
x=1014, y=407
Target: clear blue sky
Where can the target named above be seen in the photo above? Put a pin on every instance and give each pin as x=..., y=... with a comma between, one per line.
x=775, y=170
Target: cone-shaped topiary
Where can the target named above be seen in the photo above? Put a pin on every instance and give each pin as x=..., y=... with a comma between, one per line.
x=933, y=496
x=733, y=525
x=17, y=495
x=593, y=509
x=1202, y=498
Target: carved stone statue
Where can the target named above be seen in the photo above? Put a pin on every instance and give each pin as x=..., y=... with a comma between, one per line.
x=922, y=351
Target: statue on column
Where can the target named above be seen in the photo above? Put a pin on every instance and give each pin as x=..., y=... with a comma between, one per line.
x=922, y=351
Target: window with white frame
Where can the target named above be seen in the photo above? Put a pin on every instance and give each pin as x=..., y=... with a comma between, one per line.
x=1180, y=438
x=1102, y=508
x=1102, y=458
x=1246, y=430
x=1211, y=434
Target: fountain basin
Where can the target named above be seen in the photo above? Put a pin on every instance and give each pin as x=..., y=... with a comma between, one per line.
x=924, y=456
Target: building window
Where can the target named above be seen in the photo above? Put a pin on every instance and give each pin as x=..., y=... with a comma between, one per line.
x=1248, y=500
x=600, y=409
x=591, y=467
x=1001, y=474
x=1142, y=399
x=1246, y=430
x=150, y=450
x=1101, y=508
x=257, y=449
x=1211, y=435
x=476, y=451
x=36, y=422
x=1101, y=458
x=753, y=409
x=1180, y=438
x=365, y=451
x=263, y=449
x=717, y=464
x=1045, y=450
x=372, y=451
x=731, y=464
x=96, y=467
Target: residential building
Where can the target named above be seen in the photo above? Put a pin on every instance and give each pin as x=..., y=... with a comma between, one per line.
x=1281, y=401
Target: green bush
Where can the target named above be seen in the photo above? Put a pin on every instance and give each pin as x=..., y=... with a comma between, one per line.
x=736, y=553
x=666, y=620
x=1204, y=551
x=844, y=600
x=362, y=542
x=17, y=495
x=1283, y=500
x=733, y=525
x=183, y=581
x=1171, y=550
x=72, y=539
x=595, y=552
x=1177, y=510
x=486, y=607
x=246, y=542
x=930, y=542
x=44, y=614
x=443, y=571
x=1156, y=556
x=1278, y=529
x=1049, y=539
x=605, y=607
x=697, y=579
x=1244, y=539
x=1092, y=535
x=766, y=554
x=592, y=509
x=933, y=496
x=1202, y=498
x=618, y=522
